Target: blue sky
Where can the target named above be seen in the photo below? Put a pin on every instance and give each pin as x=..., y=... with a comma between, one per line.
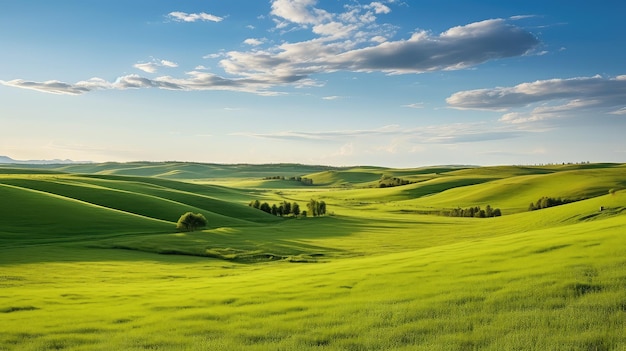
x=387, y=83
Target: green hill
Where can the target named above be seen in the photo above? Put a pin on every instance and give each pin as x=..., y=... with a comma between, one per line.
x=92, y=261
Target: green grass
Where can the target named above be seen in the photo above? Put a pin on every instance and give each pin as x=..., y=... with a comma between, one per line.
x=91, y=263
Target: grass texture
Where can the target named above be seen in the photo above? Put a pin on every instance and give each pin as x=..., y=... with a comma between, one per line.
x=93, y=261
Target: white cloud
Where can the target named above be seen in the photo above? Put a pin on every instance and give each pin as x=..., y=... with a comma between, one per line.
x=415, y=105
x=153, y=66
x=253, y=41
x=61, y=88
x=213, y=56
x=149, y=67
x=521, y=17
x=334, y=29
x=299, y=11
x=333, y=97
x=379, y=8
x=458, y=48
x=193, y=17
x=621, y=111
x=349, y=41
x=166, y=63
x=379, y=39
x=558, y=98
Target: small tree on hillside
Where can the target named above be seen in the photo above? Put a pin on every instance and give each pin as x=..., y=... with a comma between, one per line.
x=295, y=209
x=191, y=221
x=265, y=207
x=287, y=208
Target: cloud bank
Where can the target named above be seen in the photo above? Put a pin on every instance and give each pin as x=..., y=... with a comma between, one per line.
x=555, y=97
x=351, y=41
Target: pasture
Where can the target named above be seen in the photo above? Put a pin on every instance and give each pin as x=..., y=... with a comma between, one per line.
x=90, y=259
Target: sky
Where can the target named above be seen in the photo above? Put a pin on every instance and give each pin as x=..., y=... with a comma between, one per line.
x=392, y=83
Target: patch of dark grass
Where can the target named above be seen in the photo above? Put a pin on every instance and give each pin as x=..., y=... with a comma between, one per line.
x=122, y=321
x=256, y=339
x=229, y=301
x=172, y=308
x=551, y=248
x=581, y=289
x=11, y=309
x=598, y=344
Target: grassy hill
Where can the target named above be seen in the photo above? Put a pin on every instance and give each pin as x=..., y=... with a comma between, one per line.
x=90, y=259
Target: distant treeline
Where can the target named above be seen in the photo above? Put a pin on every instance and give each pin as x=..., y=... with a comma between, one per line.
x=388, y=182
x=474, y=212
x=286, y=208
x=546, y=202
x=303, y=180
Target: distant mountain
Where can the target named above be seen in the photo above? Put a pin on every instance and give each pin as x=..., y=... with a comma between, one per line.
x=6, y=159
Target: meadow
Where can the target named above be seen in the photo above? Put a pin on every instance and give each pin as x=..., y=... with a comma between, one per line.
x=90, y=259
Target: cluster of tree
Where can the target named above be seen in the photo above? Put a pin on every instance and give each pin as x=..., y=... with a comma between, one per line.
x=303, y=180
x=316, y=208
x=546, y=202
x=387, y=182
x=191, y=221
x=284, y=208
x=475, y=212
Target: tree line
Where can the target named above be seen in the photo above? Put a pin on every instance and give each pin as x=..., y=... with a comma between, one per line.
x=475, y=211
x=303, y=180
x=286, y=208
x=545, y=202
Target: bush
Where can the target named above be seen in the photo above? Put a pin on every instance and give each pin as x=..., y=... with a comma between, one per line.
x=191, y=221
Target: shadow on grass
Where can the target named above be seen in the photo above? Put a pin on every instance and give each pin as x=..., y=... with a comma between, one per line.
x=296, y=240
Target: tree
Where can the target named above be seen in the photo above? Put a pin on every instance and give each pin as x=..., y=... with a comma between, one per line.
x=191, y=221
x=321, y=208
x=265, y=207
x=488, y=211
x=312, y=206
x=286, y=208
x=295, y=209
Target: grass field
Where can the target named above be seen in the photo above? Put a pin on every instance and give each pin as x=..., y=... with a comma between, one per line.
x=90, y=259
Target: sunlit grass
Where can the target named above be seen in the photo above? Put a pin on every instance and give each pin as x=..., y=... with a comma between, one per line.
x=370, y=277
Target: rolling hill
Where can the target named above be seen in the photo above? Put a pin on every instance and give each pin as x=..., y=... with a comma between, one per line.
x=90, y=259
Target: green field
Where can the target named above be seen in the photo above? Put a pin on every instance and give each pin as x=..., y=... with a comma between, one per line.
x=90, y=258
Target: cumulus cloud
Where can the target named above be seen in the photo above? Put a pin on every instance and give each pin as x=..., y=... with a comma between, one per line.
x=350, y=41
x=556, y=97
x=299, y=11
x=253, y=41
x=193, y=17
x=379, y=8
x=458, y=48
